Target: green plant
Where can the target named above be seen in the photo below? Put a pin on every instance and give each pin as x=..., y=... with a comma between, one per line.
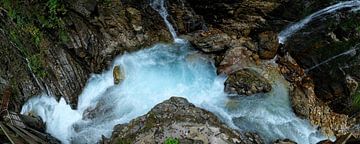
x=36, y=66
x=171, y=140
x=356, y=99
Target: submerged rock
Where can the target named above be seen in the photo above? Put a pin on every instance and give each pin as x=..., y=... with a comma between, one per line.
x=246, y=82
x=285, y=141
x=177, y=118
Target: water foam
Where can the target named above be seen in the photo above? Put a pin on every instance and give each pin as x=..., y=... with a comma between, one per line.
x=154, y=75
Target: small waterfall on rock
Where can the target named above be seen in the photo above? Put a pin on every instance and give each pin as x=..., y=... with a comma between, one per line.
x=350, y=52
x=290, y=30
x=159, y=6
x=155, y=74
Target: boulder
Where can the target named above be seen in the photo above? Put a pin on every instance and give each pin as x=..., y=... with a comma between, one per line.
x=268, y=44
x=118, y=74
x=246, y=82
x=176, y=118
x=211, y=41
x=238, y=58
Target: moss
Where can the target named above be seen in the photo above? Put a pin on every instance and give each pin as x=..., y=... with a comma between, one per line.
x=356, y=99
x=37, y=66
x=171, y=140
x=150, y=122
x=123, y=141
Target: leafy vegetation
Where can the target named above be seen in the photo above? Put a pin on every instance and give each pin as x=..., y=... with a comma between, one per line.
x=32, y=22
x=171, y=140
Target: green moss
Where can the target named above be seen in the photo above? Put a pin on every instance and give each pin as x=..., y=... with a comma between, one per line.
x=356, y=99
x=150, y=122
x=171, y=140
x=37, y=66
x=123, y=141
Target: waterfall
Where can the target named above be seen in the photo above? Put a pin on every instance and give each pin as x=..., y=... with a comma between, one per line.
x=159, y=6
x=153, y=75
x=290, y=30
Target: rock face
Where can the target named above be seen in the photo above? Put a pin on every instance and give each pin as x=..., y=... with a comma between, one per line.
x=329, y=54
x=61, y=54
x=177, y=118
x=268, y=44
x=306, y=104
x=246, y=82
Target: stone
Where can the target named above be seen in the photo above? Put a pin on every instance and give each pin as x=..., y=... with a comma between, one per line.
x=285, y=141
x=177, y=118
x=268, y=44
x=235, y=59
x=246, y=82
x=118, y=74
x=351, y=84
x=211, y=41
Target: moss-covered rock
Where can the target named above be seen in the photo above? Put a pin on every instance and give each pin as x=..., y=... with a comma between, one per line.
x=177, y=118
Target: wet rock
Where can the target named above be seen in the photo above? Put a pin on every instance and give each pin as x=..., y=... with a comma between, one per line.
x=351, y=84
x=211, y=41
x=268, y=44
x=177, y=118
x=285, y=141
x=306, y=104
x=328, y=51
x=325, y=142
x=118, y=74
x=184, y=19
x=246, y=82
x=95, y=33
x=237, y=58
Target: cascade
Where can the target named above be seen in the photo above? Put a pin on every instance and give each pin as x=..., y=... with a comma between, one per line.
x=159, y=6
x=153, y=75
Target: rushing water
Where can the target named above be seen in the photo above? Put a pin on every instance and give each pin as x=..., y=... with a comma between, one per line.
x=155, y=74
x=290, y=30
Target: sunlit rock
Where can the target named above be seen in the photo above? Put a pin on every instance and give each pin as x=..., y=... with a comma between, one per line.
x=118, y=74
x=177, y=118
x=246, y=82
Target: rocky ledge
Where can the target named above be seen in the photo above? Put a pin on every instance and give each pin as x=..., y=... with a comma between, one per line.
x=176, y=118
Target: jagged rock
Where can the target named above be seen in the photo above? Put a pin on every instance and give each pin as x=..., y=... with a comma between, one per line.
x=211, y=41
x=237, y=58
x=118, y=74
x=246, y=82
x=306, y=104
x=184, y=19
x=285, y=141
x=177, y=118
x=268, y=44
x=351, y=84
x=95, y=31
x=327, y=49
